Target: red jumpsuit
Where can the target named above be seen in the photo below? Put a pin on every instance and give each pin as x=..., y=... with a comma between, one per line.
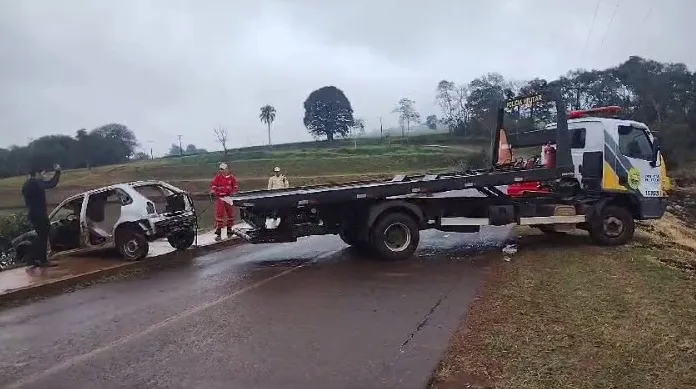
x=224, y=185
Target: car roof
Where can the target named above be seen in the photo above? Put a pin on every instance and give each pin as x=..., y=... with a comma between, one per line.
x=120, y=185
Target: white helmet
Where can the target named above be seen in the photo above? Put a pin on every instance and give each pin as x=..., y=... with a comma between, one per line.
x=277, y=169
x=223, y=166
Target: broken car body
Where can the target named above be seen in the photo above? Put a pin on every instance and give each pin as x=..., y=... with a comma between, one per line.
x=125, y=216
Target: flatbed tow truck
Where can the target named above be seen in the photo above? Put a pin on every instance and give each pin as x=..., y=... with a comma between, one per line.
x=600, y=175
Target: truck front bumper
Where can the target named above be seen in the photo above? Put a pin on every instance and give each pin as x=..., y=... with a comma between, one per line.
x=652, y=207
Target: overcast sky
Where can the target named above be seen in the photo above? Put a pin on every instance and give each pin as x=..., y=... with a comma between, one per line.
x=169, y=67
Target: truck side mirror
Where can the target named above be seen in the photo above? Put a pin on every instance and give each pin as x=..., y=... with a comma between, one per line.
x=655, y=160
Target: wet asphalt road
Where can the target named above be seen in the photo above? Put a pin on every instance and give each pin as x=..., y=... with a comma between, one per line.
x=304, y=315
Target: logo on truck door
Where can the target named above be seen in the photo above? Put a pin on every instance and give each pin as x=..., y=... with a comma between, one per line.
x=634, y=178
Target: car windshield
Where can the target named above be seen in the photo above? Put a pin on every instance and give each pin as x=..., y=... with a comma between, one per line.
x=69, y=209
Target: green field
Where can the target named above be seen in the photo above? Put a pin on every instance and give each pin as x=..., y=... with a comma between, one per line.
x=304, y=164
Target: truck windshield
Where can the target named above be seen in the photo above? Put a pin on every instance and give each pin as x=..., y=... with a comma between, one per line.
x=634, y=143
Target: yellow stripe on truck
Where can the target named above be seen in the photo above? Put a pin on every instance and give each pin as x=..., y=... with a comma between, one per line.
x=610, y=180
x=666, y=182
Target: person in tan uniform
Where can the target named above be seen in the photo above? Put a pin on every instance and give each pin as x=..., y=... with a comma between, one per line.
x=277, y=180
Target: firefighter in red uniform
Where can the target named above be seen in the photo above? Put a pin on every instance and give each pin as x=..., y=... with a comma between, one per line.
x=224, y=184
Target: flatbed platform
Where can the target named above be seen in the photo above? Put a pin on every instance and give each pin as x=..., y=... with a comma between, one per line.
x=398, y=186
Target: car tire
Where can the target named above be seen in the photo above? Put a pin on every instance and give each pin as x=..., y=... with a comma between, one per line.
x=132, y=244
x=613, y=226
x=395, y=236
x=182, y=240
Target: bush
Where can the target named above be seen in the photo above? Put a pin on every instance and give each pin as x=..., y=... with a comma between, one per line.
x=14, y=225
x=475, y=161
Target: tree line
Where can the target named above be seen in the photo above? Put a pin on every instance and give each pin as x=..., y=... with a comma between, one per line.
x=662, y=95
x=106, y=145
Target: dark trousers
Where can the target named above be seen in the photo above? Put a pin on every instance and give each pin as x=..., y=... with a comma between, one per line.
x=39, y=248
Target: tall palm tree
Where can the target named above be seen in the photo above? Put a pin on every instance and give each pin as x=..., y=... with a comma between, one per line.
x=267, y=115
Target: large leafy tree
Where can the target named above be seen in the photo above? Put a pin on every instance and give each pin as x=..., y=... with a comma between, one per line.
x=267, y=116
x=328, y=113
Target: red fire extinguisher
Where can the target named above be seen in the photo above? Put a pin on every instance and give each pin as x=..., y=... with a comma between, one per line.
x=550, y=156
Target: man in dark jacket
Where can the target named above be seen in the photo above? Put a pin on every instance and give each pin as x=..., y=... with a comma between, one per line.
x=34, y=192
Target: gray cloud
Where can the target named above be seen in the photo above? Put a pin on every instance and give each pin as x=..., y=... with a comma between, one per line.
x=182, y=67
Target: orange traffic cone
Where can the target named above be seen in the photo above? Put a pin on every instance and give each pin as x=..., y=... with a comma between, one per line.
x=504, y=149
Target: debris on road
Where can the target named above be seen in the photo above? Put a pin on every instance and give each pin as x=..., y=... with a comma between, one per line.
x=508, y=251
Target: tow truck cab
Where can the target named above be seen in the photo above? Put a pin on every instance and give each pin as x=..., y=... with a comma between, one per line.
x=612, y=155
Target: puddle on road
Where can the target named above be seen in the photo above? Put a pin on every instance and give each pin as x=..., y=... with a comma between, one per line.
x=456, y=245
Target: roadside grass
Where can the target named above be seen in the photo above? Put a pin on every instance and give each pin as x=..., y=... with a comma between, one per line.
x=566, y=314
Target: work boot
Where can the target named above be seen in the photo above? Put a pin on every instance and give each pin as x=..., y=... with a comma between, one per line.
x=47, y=264
x=218, y=233
x=229, y=232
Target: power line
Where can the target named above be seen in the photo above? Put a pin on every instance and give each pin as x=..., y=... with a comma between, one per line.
x=589, y=33
x=618, y=3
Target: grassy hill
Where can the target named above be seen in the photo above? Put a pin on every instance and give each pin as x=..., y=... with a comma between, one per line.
x=304, y=163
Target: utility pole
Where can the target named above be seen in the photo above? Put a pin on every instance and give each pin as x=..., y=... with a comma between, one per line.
x=381, y=129
x=181, y=150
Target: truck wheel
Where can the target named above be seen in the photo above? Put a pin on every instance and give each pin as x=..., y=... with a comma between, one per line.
x=132, y=244
x=182, y=240
x=613, y=226
x=395, y=236
x=348, y=237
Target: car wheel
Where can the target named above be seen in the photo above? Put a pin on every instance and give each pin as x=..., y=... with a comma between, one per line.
x=182, y=240
x=132, y=244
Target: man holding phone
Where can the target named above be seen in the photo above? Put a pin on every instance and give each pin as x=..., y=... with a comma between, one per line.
x=34, y=193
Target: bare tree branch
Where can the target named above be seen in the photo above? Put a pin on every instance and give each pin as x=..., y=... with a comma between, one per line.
x=221, y=135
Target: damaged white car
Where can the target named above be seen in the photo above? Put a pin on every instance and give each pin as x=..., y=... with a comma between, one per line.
x=122, y=216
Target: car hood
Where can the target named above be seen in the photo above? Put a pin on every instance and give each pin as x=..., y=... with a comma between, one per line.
x=27, y=236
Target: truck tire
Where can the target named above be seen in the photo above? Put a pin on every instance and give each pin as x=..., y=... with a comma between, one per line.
x=348, y=237
x=182, y=240
x=395, y=236
x=351, y=237
x=132, y=244
x=613, y=226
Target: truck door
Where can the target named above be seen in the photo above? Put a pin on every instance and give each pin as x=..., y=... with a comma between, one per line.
x=578, y=143
x=629, y=155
